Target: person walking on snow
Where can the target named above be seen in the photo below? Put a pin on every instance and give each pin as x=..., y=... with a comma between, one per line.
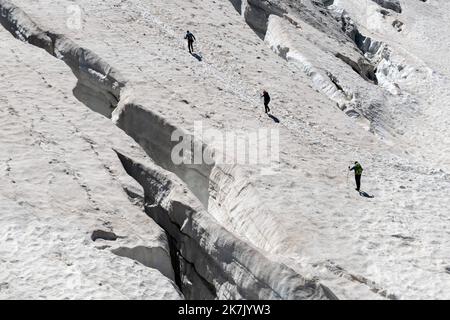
x=266, y=96
x=190, y=38
x=358, y=173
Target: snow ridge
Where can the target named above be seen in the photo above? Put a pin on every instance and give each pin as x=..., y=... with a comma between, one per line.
x=195, y=237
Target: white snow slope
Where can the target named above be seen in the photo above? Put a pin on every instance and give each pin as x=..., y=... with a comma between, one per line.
x=85, y=145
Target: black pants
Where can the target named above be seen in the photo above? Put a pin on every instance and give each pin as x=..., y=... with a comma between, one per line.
x=266, y=105
x=358, y=181
x=191, y=46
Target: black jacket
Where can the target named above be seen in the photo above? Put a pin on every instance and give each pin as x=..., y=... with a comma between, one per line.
x=190, y=37
x=266, y=97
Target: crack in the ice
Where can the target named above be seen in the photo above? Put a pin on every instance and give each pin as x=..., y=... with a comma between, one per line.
x=341, y=272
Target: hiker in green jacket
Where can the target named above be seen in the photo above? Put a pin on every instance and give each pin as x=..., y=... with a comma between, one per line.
x=358, y=172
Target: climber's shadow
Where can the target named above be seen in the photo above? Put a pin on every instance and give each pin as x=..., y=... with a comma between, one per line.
x=366, y=195
x=275, y=119
x=197, y=56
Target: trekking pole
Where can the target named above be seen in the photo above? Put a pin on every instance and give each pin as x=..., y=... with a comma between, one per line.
x=348, y=174
x=348, y=171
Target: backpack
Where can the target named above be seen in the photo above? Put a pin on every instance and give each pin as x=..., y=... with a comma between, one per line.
x=189, y=36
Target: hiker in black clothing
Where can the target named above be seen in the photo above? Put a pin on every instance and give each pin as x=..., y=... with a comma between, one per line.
x=190, y=38
x=266, y=100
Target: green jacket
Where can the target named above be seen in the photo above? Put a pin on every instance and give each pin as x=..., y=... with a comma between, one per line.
x=358, y=169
